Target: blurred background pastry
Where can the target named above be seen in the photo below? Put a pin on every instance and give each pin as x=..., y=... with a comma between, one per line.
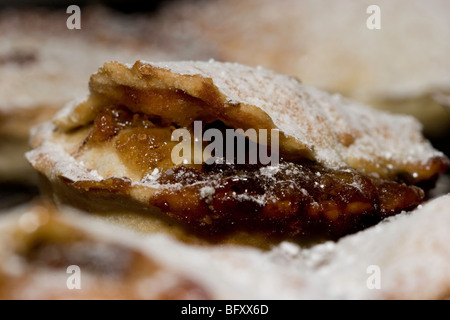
x=400, y=67
x=51, y=254
x=39, y=243
x=43, y=65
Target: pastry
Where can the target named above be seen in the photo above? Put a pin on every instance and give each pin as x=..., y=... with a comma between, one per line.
x=328, y=45
x=342, y=166
x=50, y=254
x=38, y=243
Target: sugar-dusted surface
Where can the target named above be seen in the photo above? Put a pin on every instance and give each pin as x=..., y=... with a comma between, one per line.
x=54, y=160
x=410, y=250
x=291, y=199
x=360, y=156
x=327, y=45
x=38, y=244
x=339, y=131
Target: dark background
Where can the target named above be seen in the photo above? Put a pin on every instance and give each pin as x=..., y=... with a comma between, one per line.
x=127, y=6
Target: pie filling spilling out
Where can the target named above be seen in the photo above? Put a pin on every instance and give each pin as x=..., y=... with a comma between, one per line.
x=342, y=166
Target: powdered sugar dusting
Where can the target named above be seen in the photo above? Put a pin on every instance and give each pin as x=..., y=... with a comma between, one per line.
x=323, y=46
x=63, y=164
x=339, y=131
x=269, y=171
x=401, y=247
x=66, y=113
x=53, y=159
x=207, y=193
x=152, y=178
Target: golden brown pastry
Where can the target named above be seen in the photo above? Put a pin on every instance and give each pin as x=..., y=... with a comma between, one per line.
x=342, y=167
